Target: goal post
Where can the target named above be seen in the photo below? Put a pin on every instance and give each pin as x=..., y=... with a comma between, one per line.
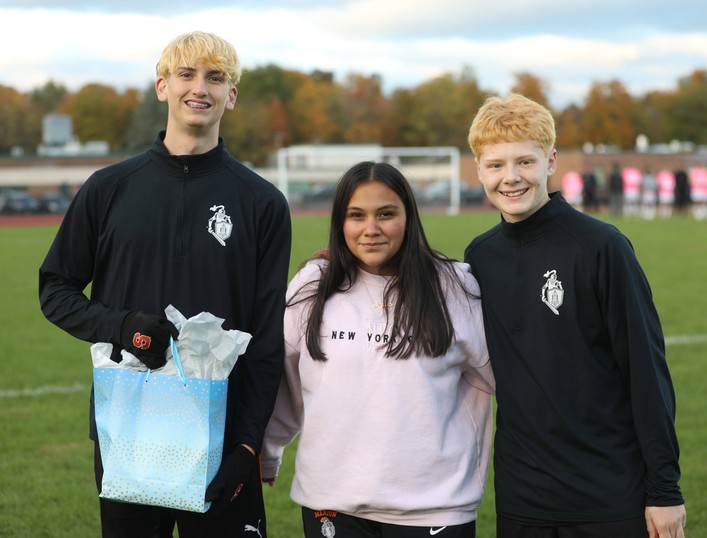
x=444, y=166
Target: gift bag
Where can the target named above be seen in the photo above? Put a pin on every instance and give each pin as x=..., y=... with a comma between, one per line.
x=161, y=436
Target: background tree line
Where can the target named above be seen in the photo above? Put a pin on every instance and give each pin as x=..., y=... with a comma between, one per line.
x=280, y=107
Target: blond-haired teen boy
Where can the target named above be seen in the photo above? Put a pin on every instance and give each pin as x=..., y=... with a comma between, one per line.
x=143, y=233
x=585, y=441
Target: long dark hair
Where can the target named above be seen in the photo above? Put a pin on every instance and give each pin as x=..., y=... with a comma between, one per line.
x=420, y=306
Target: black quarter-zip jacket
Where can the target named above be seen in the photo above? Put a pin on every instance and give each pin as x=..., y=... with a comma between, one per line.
x=585, y=419
x=201, y=232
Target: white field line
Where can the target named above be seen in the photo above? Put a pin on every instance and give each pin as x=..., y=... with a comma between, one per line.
x=685, y=340
x=43, y=390
x=78, y=387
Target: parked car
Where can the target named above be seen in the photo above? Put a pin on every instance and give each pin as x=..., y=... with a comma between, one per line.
x=440, y=193
x=53, y=202
x=322, y=193
x=472, y=195
x=17, y=202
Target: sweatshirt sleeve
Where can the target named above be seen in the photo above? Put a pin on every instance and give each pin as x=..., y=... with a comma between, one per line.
x=637, y=341
x=469, y=331
x=68, y=269
x=286, y=420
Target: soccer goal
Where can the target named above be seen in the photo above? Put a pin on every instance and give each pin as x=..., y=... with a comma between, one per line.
x=317, y=167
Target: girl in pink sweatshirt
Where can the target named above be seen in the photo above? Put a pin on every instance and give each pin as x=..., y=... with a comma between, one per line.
x=387, y=376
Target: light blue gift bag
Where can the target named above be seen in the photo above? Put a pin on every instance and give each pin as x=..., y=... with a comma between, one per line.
x=161, y=436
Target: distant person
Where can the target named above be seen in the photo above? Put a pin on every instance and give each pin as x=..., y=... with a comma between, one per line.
x=649, y=194
x=602, y=195
x=666, y=193
x=698, y=192
x=387, y=376
x=585, y=441
x=183, y=223
x=572, y=188
x=632, y=178
x=590, y=195
x=682, y=192
x=616, y=191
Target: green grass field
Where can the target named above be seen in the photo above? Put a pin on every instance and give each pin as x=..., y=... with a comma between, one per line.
x=46, y=475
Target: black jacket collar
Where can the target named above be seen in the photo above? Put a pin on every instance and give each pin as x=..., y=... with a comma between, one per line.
x=539, y=222
x=195, y=165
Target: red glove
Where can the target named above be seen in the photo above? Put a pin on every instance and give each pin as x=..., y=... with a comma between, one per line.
x=147, y=337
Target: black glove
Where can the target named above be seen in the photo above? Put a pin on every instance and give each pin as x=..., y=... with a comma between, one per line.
x=229, y=480
x=147, y=337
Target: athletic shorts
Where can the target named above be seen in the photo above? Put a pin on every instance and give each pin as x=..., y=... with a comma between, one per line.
x=329, y=523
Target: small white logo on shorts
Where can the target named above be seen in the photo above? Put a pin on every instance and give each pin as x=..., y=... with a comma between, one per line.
x=434, y=531
x=328, y=530
x=250, y=528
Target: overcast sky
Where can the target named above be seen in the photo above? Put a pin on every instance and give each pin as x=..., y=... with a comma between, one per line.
x=646, y=44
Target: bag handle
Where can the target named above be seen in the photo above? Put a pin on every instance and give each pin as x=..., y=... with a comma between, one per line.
x=177, y=363
x=177, y=360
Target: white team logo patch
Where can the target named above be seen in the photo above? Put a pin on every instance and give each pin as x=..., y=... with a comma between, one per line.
x=220, y=225
x=552, y=292
x=328, y=530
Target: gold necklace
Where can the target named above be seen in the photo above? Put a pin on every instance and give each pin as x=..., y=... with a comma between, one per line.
x=380, y=305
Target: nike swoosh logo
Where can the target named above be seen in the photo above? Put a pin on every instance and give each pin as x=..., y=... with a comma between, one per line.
x=434, y=531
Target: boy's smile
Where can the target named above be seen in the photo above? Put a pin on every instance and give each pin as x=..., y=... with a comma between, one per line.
x=514, y=176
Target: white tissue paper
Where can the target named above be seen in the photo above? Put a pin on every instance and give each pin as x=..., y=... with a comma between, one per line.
x=206, y=350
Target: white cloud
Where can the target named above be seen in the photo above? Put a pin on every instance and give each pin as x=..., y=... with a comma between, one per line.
x=405, y=44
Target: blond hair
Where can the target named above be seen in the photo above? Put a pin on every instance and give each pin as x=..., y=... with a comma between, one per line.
x=194, y=48
x=514, y=118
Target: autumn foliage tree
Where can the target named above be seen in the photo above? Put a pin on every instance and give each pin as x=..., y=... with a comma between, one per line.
x=20, y=121
x=568, y=124
x=147, y=118
x=609, y=115
x=99, y=112
x=364, y=109
x=315, y=112
x=438, y=112
x=687, y=111
x=279, y=107
x=532, y=87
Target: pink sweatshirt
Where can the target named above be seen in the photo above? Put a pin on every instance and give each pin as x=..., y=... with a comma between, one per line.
x=397, y=441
